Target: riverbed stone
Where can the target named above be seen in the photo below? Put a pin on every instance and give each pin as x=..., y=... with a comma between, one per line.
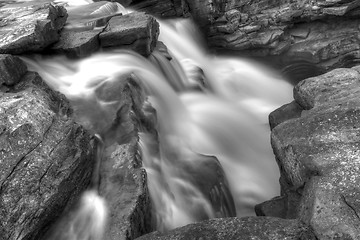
x=30, y=27
x=136, y=31
x=46, y=159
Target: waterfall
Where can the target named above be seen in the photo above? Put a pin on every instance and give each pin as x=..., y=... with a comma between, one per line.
x=206, y=106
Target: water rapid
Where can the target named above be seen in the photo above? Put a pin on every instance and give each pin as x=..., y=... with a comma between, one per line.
x=206, y=106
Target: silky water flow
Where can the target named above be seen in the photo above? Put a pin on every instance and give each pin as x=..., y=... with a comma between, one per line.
x=209, y=108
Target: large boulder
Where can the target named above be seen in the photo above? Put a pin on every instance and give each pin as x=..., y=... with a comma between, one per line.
x=46, y=159
x=317, y=153
x=30, y=27
x=247, y=228
x=135, y=31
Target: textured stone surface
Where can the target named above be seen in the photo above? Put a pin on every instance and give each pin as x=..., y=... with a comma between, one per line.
x=318, y=153
x=46, y=159
x=80, y=36
x=247, y=228
x=161, y=8
x=285, y=112
x=78, y=44
x=11, y=69
x=30, y=27
x=135, y=31
x=123, y=184
x=122, y=180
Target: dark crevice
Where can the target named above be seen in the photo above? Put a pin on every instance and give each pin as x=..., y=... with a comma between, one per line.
x=350, y=206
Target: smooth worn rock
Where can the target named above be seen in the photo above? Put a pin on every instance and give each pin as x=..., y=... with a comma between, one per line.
x=318, y=153
x=135, y=31
x=30, y=27
x=46, y=159
x=247, y=228
x=11, y=69
x=92, y=15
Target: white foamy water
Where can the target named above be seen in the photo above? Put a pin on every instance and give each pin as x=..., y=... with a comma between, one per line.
x=226, y=119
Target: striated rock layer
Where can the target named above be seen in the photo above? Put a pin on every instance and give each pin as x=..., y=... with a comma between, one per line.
x=318, y=155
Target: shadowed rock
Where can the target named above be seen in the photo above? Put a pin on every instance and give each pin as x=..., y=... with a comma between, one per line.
x=46, y=159
x=247, y=228
x=30, y=26
x=11, y=69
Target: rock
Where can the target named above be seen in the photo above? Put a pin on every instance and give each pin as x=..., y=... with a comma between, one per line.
x=46, y=159
x=92, y=15
x=284, y=113
x=135, y=31
x=321, y=89
x=264, y=228
x=30, y=27
x=80, y=36
x=123, y=184
x=318, y=153
x=11, y=69
x=122, y=181
x=161, y=8
x=78, y=44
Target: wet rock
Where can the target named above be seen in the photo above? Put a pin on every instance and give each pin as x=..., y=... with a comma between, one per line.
x=318, y=153
x=30, y=26
x=92, y=15
x=123, y=184
x=135, y=31
x=264, y=228
x=122, y=181
x=11, y=69
x=80, y=36
x=46, y=159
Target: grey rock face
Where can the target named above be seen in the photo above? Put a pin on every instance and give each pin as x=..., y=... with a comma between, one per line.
x=46, y=159
x=246, y=228
x=135, y=31
x=318, y=153
x=30, y=27
x=11, y=69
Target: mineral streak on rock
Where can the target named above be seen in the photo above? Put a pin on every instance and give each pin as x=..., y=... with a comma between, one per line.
x=46, y=159
x=30, y=27
x=318, y=153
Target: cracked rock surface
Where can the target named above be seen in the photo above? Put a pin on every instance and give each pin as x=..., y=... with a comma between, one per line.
x=46, y=159
x=30, y=27
x=318, y=154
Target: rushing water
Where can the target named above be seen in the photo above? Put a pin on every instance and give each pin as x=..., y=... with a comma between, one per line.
x=206, y=105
